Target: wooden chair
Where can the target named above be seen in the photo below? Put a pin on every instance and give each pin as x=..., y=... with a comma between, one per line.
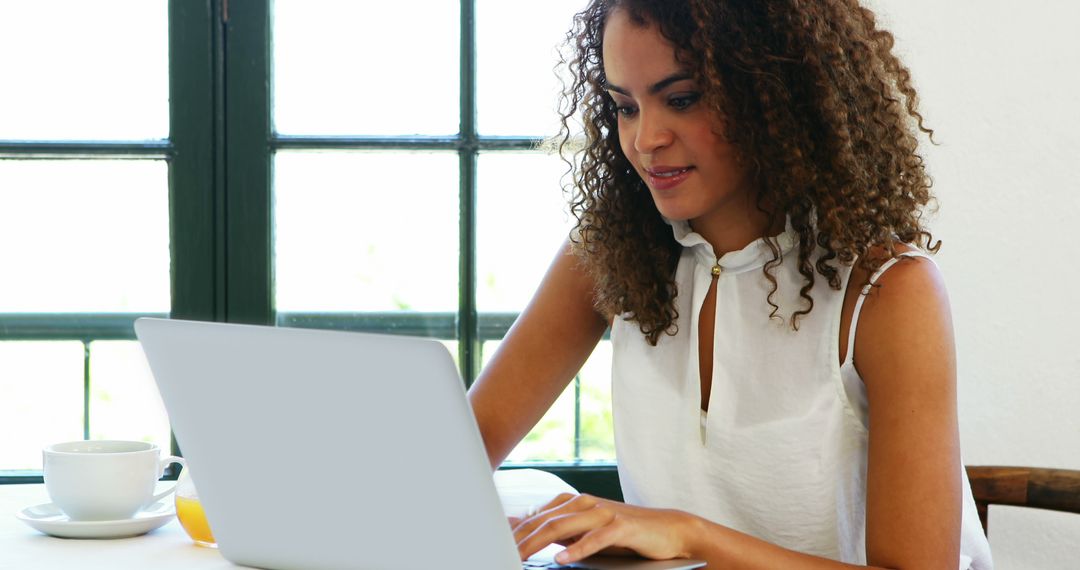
x=1053, y=489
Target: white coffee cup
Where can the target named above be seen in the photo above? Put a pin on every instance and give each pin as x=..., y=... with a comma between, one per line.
x=106, y=479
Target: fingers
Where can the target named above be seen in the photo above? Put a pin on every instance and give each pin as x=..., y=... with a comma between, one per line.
x=593, y=541
x=565, y=522
x=560, y=505
x=560, y=499
x=534, y=510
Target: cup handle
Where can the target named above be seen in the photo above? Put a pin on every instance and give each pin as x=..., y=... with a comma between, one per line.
x=161, y=470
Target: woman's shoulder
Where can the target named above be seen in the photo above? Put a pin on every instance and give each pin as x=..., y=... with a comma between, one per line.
x=910, y=288
x=905, y=314
x=907, y=268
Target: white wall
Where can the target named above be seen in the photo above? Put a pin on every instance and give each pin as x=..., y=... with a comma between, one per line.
x=1000, y=83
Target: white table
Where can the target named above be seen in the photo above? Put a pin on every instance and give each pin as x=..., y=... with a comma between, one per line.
x=168, y=547
x=23, y=548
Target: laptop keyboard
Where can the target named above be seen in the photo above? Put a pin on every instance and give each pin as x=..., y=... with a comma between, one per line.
x=541, y=565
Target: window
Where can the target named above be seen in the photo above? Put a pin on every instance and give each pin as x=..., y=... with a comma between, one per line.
x=84, y=221
x=392, y=185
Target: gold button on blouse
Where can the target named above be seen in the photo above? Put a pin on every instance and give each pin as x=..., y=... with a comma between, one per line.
x=716, y=270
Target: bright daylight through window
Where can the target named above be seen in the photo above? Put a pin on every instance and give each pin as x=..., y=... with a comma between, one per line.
x=404, y=194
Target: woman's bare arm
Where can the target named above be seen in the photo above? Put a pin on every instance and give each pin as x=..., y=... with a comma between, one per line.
x=541, y=353
x=905, y=353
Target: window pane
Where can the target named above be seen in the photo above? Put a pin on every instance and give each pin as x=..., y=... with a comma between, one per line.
x=84, y=70
x=553, y=437
x=84, y=236
x=597, y=431
x=366, y=68
x=124, y=400
x=522, y=220
x=517, y=91
x=366, y=232
x=41, y=399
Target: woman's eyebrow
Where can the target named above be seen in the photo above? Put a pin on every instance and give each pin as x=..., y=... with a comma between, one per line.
x=655, y=87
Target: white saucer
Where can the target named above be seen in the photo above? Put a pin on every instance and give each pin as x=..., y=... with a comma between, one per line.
x=49, y=519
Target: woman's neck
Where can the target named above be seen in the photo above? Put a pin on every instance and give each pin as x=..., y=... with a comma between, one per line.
x=733, y=230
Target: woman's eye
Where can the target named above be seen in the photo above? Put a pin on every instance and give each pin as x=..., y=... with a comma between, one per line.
x=626, y=110
x=683, y=101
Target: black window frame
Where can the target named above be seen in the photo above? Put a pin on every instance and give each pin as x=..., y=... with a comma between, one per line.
x=220, y=153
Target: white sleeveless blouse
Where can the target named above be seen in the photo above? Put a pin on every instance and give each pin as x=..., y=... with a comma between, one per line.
x=781, y=454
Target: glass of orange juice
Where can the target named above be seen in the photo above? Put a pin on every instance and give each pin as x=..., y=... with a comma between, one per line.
x=190, y=512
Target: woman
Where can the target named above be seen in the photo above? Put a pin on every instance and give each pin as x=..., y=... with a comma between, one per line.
x=784, y=386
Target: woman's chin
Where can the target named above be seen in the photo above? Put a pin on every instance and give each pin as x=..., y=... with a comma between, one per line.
x=674, y=213
x=675, y=208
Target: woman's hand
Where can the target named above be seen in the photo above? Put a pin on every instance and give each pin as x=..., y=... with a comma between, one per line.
x=587, y=525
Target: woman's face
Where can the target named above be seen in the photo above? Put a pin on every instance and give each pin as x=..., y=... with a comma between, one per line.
x=666, y=131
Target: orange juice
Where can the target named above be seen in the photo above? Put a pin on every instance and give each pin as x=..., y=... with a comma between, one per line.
x=193, y=519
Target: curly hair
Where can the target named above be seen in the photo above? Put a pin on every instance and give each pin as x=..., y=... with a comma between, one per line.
x=826, y=120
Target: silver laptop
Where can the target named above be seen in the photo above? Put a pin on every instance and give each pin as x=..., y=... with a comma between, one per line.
x=319, y=450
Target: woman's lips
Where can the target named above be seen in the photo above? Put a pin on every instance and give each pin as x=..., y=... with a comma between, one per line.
x=667, y=177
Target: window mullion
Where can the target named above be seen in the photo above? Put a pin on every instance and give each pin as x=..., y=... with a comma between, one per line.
x=193, y=192
x=468, y=342
x=248, y=217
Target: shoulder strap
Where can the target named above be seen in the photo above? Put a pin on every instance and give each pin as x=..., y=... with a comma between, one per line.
x=850, y=356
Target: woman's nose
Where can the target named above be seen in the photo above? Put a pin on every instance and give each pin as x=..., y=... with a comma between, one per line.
x=653, y=133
